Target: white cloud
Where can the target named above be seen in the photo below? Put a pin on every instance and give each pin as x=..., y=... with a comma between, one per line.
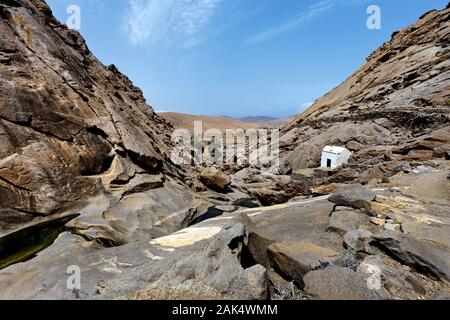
x=312, y=12
x=167, y=22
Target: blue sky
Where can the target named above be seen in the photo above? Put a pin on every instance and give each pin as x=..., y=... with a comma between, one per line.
x=237, y=57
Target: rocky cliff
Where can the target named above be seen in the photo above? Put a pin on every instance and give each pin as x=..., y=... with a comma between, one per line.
x=77, y=137
x=396, y=106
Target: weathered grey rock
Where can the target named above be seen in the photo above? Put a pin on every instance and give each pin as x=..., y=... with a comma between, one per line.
x=284, y=167
x=422, y=256
x=268, y=188
x=213, y=265
x=290, y=222
x=354, y=145
x=356, y=196
x=377, y=210
x=268, y=196
x=395, y=280
x=393, y=227
x=336, y=283
x=344, y=220
x=258, y=245
x=46, y=274
x=377, y=221
x=358, y=240
x=442, y=295
x=294, y=260
x=215, y=179
x=196, y=263
x=138, y=216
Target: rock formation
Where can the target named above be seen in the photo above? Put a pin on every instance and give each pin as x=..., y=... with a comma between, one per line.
x=71, y=128
x=77, y=137
x=86, y=181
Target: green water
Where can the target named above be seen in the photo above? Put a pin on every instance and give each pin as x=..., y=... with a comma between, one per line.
x=24, y=244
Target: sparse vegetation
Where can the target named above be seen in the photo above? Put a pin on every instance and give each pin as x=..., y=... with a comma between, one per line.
x=281, y=294
x=350, y=259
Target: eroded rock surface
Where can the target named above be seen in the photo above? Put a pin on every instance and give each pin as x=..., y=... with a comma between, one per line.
x=78, y=137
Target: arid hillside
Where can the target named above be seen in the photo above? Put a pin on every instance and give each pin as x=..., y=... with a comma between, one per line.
x=186, y=121
x=267, y=121
x=397, y=100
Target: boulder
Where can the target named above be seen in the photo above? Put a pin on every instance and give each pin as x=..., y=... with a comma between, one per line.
x=356, y=196
x=209, y=269
x=294, y=260
x=377, y=221
x=268, y=196
x=344, y=220
x=215, y=179
x=395, y=280
x=423, y=256
x=337, y=283
x=284, y=167
x=258, y=244
x=323, y=189
x=376, y=209
x=201, y=262
x=393, y=227
x=358, y=240
x=354, y=145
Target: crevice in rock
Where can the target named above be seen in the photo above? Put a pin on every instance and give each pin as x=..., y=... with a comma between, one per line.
x=247, y=259
x=14, y=185
x=105, y=242
x=97, y=131
x=212, y=212
x=238, y=246
x=417, y=263
x=143, y=187
x=11, y=3
x=147, y=163
x=32, y=213
x=104, y=167
x=29, y=124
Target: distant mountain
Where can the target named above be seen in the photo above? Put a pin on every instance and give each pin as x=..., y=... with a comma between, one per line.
x=257, y=119
x=263, y=121
x=181, y=121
